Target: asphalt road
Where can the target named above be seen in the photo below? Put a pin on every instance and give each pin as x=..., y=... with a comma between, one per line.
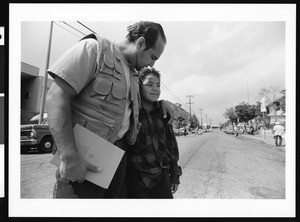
x=220, y=166
x=215, y=166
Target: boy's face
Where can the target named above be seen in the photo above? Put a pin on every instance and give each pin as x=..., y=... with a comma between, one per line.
x=150, y=88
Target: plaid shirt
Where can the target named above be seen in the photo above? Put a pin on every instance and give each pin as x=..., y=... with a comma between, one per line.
x=155, y=148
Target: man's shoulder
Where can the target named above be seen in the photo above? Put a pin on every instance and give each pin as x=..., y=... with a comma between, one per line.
x=95, y=38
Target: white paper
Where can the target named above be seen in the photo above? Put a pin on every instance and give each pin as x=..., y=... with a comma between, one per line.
x=97, y=151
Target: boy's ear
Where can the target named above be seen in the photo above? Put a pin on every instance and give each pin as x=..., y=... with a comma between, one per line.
x=141, y=44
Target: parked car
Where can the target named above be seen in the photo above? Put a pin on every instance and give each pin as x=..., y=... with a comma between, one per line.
x=36, y=136
x=180, y=132
x=229, y=130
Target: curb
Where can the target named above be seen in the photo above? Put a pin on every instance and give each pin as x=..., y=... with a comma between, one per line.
x=262, y=142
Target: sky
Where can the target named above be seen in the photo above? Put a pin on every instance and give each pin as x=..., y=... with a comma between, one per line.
x=219, y=63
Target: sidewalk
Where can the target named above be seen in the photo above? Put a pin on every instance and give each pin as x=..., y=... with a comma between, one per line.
x=266, y=138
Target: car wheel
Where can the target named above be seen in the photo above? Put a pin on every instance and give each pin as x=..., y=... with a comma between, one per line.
x=46, y=144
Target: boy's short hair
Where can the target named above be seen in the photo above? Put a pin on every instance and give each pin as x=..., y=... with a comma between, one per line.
x=148, y=71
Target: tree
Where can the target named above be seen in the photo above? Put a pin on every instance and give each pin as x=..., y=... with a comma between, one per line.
x=272, y=94
x=246, y=112
x=274, y=97
x=194, y=121
x=231, y=115
x=243, y=112
x=282, y=102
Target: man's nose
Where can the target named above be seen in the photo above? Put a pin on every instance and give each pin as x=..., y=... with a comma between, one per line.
x=152, y=63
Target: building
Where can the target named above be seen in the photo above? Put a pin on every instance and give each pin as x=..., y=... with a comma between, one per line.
x=276, y=111
x=31, y=91
x=181, y=116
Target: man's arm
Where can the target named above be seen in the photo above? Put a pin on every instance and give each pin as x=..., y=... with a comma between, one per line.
x=72, y=167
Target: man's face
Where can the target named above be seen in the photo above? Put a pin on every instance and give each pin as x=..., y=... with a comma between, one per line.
x=148, y=57
x=150, y=89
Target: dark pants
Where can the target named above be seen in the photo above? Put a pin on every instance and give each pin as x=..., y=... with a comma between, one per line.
x=278, y=140
x=116, y=189
x=137, y=189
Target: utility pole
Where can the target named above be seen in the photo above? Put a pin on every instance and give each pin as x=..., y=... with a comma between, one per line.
x=190, y=103
x=46, y=76
x=206, y=118
x=201, y=119
x=247, y=92
x=263, y=110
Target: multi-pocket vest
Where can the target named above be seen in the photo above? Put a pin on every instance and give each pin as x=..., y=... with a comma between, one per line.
x=100, y=106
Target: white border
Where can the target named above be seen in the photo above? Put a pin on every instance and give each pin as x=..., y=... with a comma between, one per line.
x=148, y=208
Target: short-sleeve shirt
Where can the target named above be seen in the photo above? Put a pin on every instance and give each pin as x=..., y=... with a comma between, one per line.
x=77, y=67
x=278, y=130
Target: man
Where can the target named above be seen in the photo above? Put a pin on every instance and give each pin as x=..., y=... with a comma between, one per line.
x=278, y=131
x=96, y=85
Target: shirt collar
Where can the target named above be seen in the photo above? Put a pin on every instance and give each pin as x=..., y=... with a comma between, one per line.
x=155, y=107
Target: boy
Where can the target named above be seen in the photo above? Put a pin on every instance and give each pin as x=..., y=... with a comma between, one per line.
x=152, y=170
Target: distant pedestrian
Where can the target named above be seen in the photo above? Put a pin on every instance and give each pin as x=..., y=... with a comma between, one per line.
x=236, y=130
x=251, y=130
x=152, y=170
x=278, y=131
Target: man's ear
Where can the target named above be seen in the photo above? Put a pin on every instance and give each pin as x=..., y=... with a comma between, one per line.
x=141, y=44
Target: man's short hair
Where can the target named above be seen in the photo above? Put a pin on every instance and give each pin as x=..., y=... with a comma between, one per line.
x=148, y=71
x=149, y=30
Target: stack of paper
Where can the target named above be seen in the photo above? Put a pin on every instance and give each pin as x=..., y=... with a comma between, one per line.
x=98, y=152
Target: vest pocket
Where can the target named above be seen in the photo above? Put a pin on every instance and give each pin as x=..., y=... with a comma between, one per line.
x=106, y=90
x=117, y=94
x=101, y=128
x=110, y=67
x=102, y=87
x=118, y=71
x=107, y=65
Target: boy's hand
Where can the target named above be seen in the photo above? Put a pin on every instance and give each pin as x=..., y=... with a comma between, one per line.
x=174, y=187
x=167, y=109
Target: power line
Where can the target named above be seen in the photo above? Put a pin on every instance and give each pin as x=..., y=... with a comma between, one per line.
x=73, y=28
x=86, y=27
x=170, y=92
x=67, y=29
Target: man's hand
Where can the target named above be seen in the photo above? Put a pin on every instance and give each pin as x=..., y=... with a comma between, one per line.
x=174, y=187
x=74, y=167
x=167, y=109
